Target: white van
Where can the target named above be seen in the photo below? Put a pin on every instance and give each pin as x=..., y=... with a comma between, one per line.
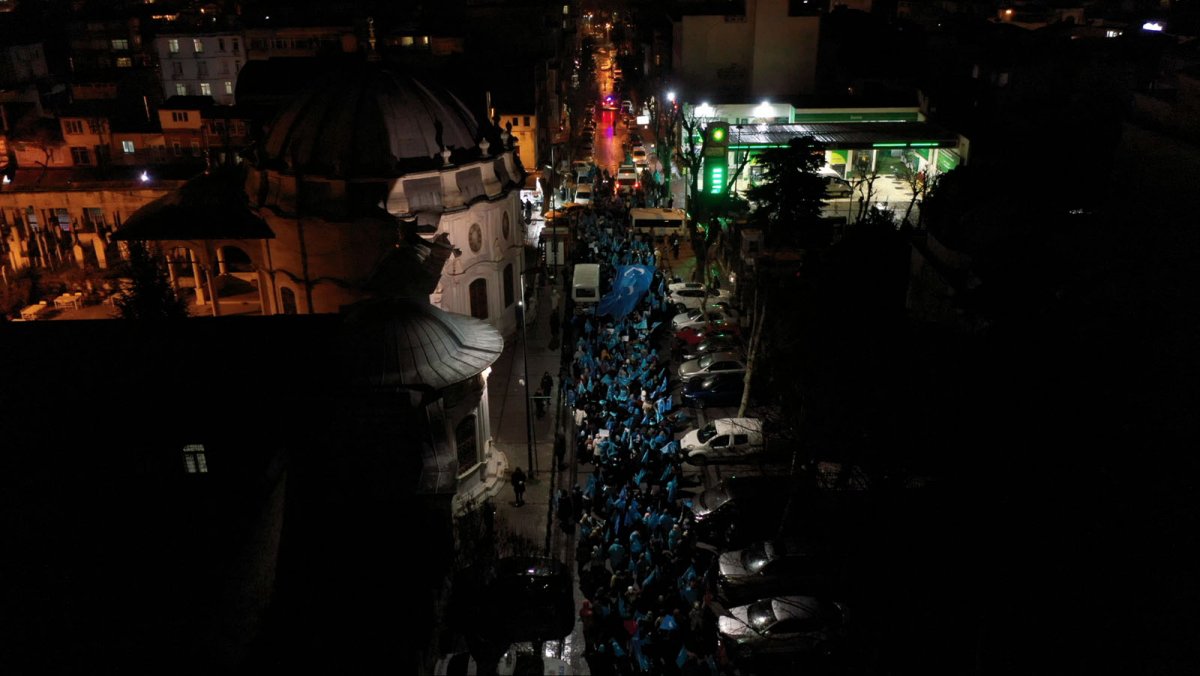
x=585, y=286
x=723, y=439
x=583, y=193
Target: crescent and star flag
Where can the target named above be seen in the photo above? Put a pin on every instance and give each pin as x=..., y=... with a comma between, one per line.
x=632, y=282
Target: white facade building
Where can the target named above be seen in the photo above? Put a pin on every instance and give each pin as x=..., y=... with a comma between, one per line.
x=200, y=64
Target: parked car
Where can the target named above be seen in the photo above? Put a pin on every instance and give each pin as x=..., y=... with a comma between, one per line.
x=519, y=660
x=775, y=567
x=583, y=193
x=837, y=188
x=723, y=389
x=741, y=510
x=718, y=342
x=782, y=627
x=698, y=318
x=692, y=335
x=692, y=298
x=723, y=439
x=523, y=598
x=710, y=364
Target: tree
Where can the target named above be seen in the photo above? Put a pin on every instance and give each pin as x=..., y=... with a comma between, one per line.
x=789, y=201
x=150, y=296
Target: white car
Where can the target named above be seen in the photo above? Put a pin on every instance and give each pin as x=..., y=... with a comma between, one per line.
x=723, y=439
x=690, y=317
x=687, y=319
x=710, y=364
x=583, y=193
x=639, y=157
x=692, y=297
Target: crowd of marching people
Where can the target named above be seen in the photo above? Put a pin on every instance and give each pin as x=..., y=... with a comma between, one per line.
x=644, y=579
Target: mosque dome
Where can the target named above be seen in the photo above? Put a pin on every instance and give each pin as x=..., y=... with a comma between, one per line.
x=368, y=121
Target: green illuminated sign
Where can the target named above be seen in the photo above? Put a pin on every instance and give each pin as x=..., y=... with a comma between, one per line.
x=718, y=135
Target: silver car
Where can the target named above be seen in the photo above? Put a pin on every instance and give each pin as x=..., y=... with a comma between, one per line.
x=783, y=626
x=710, y=364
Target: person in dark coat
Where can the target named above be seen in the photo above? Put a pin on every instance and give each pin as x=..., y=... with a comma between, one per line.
x=518, y=484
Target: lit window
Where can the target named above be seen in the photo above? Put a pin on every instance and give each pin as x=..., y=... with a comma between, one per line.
x=193, y=459
x=228, y=87
x=424, y=40
x=1112, y=33
x=181, y=89
x=127, y=146
x=406, y=41
x=120, y=44
x=205, y=89
x=198, y=45
x=124, y=62
x=173, y=46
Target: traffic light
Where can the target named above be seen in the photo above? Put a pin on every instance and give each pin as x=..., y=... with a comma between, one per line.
x=716, y=139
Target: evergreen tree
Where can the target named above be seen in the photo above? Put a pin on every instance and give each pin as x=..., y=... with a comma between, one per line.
x=788, y=202
x=151, y=295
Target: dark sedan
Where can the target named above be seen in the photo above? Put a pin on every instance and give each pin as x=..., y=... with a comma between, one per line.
x=721, y=389
x=717, y=342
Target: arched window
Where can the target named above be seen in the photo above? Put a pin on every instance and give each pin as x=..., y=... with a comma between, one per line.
x=464, y=436
x=287, y=301
x=508, y=285
x=479, y=299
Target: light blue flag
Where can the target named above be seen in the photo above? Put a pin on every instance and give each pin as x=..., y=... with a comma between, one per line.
x=632, y=282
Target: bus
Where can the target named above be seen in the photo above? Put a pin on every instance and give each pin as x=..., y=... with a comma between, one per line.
x=660, y=223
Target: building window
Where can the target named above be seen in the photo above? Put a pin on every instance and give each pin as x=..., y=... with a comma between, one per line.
x=120, y=44
x=526, y=120
x=177, y=69
x=205, y=89
x=64, y=219
x=509, y=292
x=220, y=44
x=224, y=67
x=236, y=47
x=127, y=147
x=516, y=121
x=202, y=69
x=466, y=444
x=179, y=116
x=479, y=299
x=193, y=459
x=81, y=156
x=124, y=62
x=73, y=126
x=406, y=41
x=173, y=46
x=181, y=89
x=93, y=217
x=31, y=218
x=96, y=126
x=228, y=87
x=197, y=45
x=287, y=301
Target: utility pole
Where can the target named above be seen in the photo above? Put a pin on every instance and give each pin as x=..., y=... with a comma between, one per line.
x=525, y=381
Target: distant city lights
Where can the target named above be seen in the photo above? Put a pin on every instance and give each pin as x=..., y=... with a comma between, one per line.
x=1155, y=26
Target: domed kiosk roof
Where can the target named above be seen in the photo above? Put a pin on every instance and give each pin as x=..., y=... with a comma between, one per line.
x=366, y=121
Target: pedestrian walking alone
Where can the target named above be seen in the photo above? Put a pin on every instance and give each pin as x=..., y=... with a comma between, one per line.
x=518, y=484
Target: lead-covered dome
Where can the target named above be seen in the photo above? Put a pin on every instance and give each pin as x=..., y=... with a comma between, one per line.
x=367, y=121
